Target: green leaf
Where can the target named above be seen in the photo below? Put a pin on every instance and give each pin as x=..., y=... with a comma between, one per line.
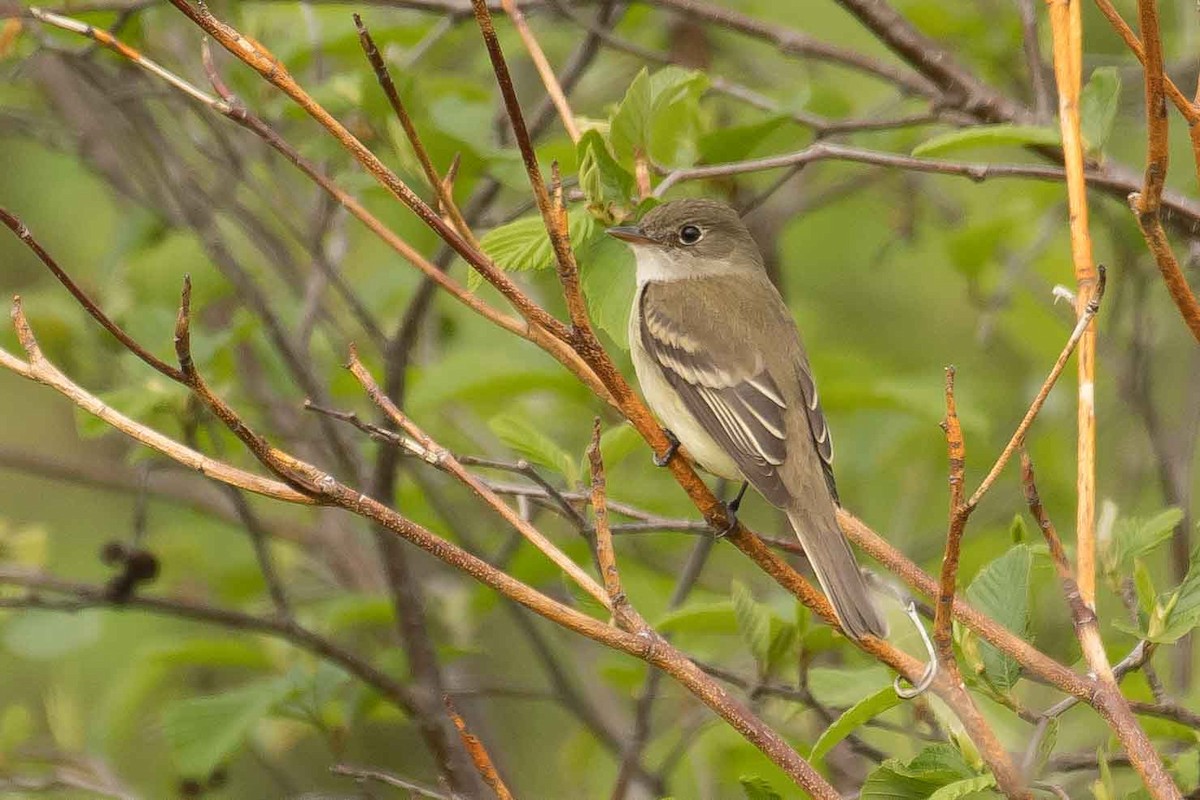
x=853, y=718
x=934, y=767
x=754, y=623
x=659, y=116
x=1001, y=590
x=527, y=439
x=1017, y=531
x=203, y=732
x=610, y=188
x=608, y=276
x=1182, y=609
x=756, y=788
x=1098, y=107
x=967, y=786
x=718, y=617
x=45, y=635
x=737, y=142
x=1135, y=538
x=618, y=442
x=1003, y=135
x=523, y=244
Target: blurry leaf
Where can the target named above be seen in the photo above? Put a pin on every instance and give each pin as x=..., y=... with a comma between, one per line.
x=841, y=686
x=358, y=611
x=754, y=623
x=1002, y=135
x=44, y=635
x=608, y=187
x=66, y=718
x=1046, y=746
x=1181, y=609
x=717, y=617
x=1135, y=538
x=784, y=636
x=16, y=726
x=524, y=245
x=1017, y=531
x=756, y=788
x=527, y=439
x=24, y=546
x=853, y=718
x=1098, y=107
x=967, y=786
x=737, y=142
x=204, y=732
x=934, y=767
x=606, y=270
x=618, y=442
x=659, y=116
x=1001, y=590
x=1144, y=583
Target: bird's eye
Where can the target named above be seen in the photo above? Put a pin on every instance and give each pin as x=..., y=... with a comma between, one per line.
x=690, y=234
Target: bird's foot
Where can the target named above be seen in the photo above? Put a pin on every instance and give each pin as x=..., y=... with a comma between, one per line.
x=731, y=509
x=672, y=449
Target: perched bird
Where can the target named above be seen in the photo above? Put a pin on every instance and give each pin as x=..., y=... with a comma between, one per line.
x=720, y=362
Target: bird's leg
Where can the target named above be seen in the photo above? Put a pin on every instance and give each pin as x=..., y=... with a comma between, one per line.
x=672, y=449
x=731, y=509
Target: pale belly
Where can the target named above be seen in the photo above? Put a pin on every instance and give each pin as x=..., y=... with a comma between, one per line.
x=666, y=404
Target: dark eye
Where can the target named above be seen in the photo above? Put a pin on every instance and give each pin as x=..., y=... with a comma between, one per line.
x=690, y=234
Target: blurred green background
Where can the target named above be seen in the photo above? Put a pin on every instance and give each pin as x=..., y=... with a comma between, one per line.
x=891, y=277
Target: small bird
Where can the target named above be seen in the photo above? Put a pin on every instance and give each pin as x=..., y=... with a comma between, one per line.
x=720, y=362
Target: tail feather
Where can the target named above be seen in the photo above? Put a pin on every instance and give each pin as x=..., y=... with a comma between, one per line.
x=840, y=577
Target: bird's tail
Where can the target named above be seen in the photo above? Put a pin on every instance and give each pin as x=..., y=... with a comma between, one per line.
x=837, y=570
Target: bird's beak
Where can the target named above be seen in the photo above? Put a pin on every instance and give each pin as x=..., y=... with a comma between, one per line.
x=630, y=233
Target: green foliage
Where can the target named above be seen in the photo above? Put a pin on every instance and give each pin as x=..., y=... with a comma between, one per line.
x=660, y=117
x=852, y=719
x=47, y=635
x=756, y=788
x=1135, y=538
x=524, y=246
x=1098, y=104
x=935, y=768
x=1001, y=590
x=980, y=136
x=528, y=439
x=205, y=731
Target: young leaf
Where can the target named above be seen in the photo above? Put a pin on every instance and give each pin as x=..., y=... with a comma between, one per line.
x=1134, y=538
x=754, y=623
x=853, y=718
x=756, y=788
x=527, y=439
x=717, y=617
x=46, y=635
x=967, y=786
x=659, y=116
x=1002, y=135
x=1001, y=590
x=523, y=244
x=608, y=186
x=934, y=767
x=737, y=142
x=1098, y=107
x=1182, y=609
x=618, y=442
x=204, y=732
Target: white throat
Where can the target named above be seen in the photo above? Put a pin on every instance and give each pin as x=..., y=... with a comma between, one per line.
x=653, y=265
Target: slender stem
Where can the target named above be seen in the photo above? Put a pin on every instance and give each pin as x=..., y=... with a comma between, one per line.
x=549, y=80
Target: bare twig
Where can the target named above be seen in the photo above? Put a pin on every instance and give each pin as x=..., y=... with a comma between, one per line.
x=553, y=89
x=1112, y=704
x=363, y=774
x=479, y=754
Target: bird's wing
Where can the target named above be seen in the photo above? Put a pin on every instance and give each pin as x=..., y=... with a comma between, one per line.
x=817, y=424
x=726, y=386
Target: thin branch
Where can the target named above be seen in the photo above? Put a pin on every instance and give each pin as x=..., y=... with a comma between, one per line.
x=1018, y=437
x=422, y=445
x=479, y=754
x=605, y=557
x=1112, y=704
x=549, y=80
x=363, y=774
x=959, y=513
x=440, y=187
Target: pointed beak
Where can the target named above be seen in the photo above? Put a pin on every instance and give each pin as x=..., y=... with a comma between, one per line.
x=630, y=233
